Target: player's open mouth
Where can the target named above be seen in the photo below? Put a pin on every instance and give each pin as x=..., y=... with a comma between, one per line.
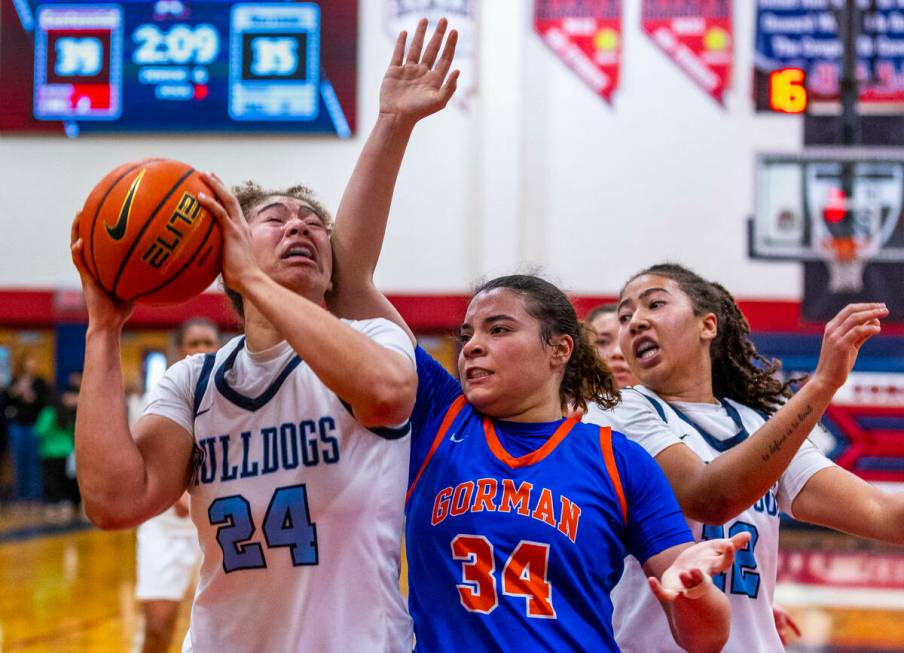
x=476, y=374
x=299, y=252
x=645, y=350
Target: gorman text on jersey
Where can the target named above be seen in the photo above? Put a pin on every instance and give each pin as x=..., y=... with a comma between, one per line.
x=492, y=495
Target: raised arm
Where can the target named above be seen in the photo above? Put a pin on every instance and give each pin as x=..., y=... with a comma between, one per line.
x=123, y=480
x=414, y=87
x=734, y=481
x=377, y=382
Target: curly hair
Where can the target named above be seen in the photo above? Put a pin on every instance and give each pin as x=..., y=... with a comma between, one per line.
x=249, y=195
x=739, y=372
x=587, y=378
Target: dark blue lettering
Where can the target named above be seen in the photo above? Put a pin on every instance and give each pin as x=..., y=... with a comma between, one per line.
x=209, y=466
x=331, y=454
x=309, y=454
x=247, y=470
x=286, y=436
x=271, y=453
x=230, y=473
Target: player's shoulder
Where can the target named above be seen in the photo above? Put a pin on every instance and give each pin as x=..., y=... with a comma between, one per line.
x=373, y=325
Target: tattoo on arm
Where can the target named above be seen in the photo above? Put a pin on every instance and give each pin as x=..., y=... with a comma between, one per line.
x=776, y=445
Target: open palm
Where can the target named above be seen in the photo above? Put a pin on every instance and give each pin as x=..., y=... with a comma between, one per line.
x=695, y=565
x=419, y=84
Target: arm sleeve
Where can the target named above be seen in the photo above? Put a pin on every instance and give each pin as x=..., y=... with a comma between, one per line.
x=806, y=462
x=638, y=417
x=436, y=390
x=387, y=334
x=655, y=521
x=173, y=396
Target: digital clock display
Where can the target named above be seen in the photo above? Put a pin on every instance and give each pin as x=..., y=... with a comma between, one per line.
x=178, y=65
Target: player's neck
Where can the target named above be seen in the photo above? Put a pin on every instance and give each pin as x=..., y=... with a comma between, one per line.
x=260, y=335
x=690, y=388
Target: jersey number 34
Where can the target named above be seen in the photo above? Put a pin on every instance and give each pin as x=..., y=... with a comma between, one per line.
x=524, y=575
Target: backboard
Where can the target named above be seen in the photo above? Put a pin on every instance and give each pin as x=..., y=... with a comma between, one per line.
x=838, y=205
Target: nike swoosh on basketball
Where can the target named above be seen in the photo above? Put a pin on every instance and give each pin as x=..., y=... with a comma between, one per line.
x=118, y=230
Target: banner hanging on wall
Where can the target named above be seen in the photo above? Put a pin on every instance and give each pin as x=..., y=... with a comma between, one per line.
x=462, y=16
x=586, y=36
x=697, y=36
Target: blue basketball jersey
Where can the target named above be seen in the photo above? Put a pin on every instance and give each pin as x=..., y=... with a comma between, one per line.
x=516, y=532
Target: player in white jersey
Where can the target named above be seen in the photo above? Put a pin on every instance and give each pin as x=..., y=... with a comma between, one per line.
x=603, y=323
x=732, y=441
x=291, y=439
x=167, y=551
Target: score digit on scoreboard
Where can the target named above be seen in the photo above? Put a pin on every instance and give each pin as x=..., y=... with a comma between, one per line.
x=78, y=63
x=274, y=61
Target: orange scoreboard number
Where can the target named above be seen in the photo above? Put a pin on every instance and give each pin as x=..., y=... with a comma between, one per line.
x=787, y=92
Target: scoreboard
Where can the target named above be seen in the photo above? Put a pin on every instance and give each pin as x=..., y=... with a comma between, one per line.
x=178, y=66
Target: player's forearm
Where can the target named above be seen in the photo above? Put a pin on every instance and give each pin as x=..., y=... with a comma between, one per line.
x=378, y=383
x=110, y=469
x=741, y=476
x=703, y=624
x=363, y=213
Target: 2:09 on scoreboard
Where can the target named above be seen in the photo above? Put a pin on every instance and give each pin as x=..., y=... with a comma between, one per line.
x=178, y=65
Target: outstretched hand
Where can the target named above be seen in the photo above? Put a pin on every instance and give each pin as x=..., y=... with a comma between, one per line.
x=844, y=335
x=104, y=310
x=419, y=84
x=691, y=573
x=238, y=258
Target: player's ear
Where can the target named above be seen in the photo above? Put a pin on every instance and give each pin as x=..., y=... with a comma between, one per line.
x=562, y=347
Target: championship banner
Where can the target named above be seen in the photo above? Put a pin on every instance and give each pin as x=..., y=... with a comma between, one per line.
x=804, y=34
x=586, y=36
x=462, y=16
x=697, y=36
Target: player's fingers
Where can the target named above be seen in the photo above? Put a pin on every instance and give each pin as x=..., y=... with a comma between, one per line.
x=864, y=332
x=436, y=40
x=73, y=229
x=855, y=318
x=448, y=89
x=691, y=577
x=417, y=42
x=445, y=61
x=741, y=540
x=661, y=592
x=399, y=51
x=216, y=210
x=224, y=196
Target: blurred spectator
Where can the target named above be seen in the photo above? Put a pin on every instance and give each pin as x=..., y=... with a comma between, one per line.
x=27, y=396
x=55, y=429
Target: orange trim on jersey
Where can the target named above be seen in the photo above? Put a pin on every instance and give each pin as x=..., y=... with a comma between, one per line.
x=609, y=460
x=533, y=457
x=450, y=416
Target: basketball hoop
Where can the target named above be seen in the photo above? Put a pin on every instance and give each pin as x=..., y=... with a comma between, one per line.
x=846, y=261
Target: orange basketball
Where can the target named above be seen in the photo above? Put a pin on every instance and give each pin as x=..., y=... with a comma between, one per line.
x=146, y=236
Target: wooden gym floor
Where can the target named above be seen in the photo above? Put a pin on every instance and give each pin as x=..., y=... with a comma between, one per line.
x=69, y=589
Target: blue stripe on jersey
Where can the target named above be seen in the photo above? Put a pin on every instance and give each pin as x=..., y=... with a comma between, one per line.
x=203, y=380
x=385, y=432
x=525, y=557
x=250, y=403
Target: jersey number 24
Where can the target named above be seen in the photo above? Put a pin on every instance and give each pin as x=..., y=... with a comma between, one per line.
x=287, y=523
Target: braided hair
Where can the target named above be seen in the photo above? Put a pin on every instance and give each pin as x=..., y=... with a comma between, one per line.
x=587, y=378
x=739, y=372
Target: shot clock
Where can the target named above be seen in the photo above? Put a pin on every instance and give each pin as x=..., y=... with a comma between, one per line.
x=178, y=65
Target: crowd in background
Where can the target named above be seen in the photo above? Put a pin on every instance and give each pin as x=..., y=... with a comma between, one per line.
x=37, y=423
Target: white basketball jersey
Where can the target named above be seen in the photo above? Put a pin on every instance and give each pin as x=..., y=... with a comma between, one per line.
x=709, y=430
x=298, y=506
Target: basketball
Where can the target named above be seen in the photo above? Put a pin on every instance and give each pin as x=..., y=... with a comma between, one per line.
x=146, y=236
